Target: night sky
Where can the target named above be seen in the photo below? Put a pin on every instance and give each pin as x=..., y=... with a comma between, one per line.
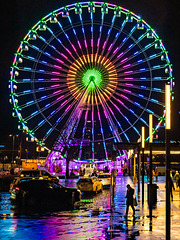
x=18, y=16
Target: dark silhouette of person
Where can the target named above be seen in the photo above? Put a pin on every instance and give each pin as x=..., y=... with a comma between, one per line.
x=129, y=202
x=171, y=188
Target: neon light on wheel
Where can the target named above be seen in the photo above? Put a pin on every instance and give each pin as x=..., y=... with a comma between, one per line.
x=89, y=72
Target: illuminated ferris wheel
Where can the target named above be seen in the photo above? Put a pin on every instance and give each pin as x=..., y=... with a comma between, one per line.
x=89, y=74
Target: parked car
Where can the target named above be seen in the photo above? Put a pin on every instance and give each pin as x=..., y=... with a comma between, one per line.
x=34, y=173
x=90, y=184
x=43, y=193
x=105, y=178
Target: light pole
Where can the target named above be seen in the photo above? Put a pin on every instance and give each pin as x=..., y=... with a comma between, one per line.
x=168, y=158
x=142, y=147
x=150, y=167
x=13, y=141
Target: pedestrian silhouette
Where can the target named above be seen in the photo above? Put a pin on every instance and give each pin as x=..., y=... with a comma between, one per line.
x=129, y=202
x=171, y=188
x=176, y=178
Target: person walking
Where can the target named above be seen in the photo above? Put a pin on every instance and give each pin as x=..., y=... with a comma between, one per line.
x=176, y=178
x=129, y=201
x=156, y=174
x=171, y=187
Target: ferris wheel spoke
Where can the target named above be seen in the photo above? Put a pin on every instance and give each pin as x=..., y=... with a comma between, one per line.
x=133, y=86
x=112, y=126
x=45, y=63
x=47, y=106
x=136, y=103
x=46, y=54
x=101, y=126
x=84, y=36
x=40, y=124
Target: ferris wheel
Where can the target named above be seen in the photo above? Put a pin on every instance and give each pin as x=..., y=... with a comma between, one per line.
x=89, y=74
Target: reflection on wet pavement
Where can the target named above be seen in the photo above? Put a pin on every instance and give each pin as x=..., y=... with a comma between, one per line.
x=93, y=219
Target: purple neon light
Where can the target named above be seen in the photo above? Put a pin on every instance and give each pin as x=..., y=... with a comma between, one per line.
x=85, y=43
x=124, y=96
x=129, y=84
x=74, y=47
x=63, y=102
x=120, y=55
x=128, y=78
x=125, y=90
x=68, y=51
x=104, y=45
x=124, y=60
x=57, y=85
x=58, y=66
x=91, y=42
x=64, y=56
x=110, y=46
x=57, y=73
x=59, y=60
x=60, y=97
x=55, y=79
x=57, y=92
x=79, y=44
x=67, y=108
x=128, y=65
x=98, y=42
x=115, y=50
x=128, y=72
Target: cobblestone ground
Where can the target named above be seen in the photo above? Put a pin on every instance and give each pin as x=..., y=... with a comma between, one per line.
x=95, y=219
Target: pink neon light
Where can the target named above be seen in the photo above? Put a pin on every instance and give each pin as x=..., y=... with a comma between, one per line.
x=91, y=42
x=85, y=43
x=128, y=72
x=124, y=60
x=64, y=56
x=110, y=47
x=120, y=55
x=128, y=78
x=57, y=85
x=57, y=92
x=129, y=84
x=115, y=50
x=60, y=97
x=120, y=101
x=125, y=90
x=126, y=65
x=67, y=108
x=59, y=60
x=124, y=96
x=56, y=79
x=68, y=51
x=79, y=44
x=104, y=44
x=57, y=66
x=98, y=42
x=63, y=103
x=74, y=48
x=57, y=73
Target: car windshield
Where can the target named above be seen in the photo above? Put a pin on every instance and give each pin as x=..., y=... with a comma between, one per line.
x=85, y=180
x=104, y=176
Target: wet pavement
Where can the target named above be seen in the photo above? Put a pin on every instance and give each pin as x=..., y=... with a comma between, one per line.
x=94, y=219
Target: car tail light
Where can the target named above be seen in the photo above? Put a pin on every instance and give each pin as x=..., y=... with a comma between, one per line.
x=17, y=188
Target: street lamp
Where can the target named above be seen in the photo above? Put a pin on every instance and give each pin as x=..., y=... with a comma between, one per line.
x=13, y=141
x=168, y=157
x=143, y=146
x=150, y=166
